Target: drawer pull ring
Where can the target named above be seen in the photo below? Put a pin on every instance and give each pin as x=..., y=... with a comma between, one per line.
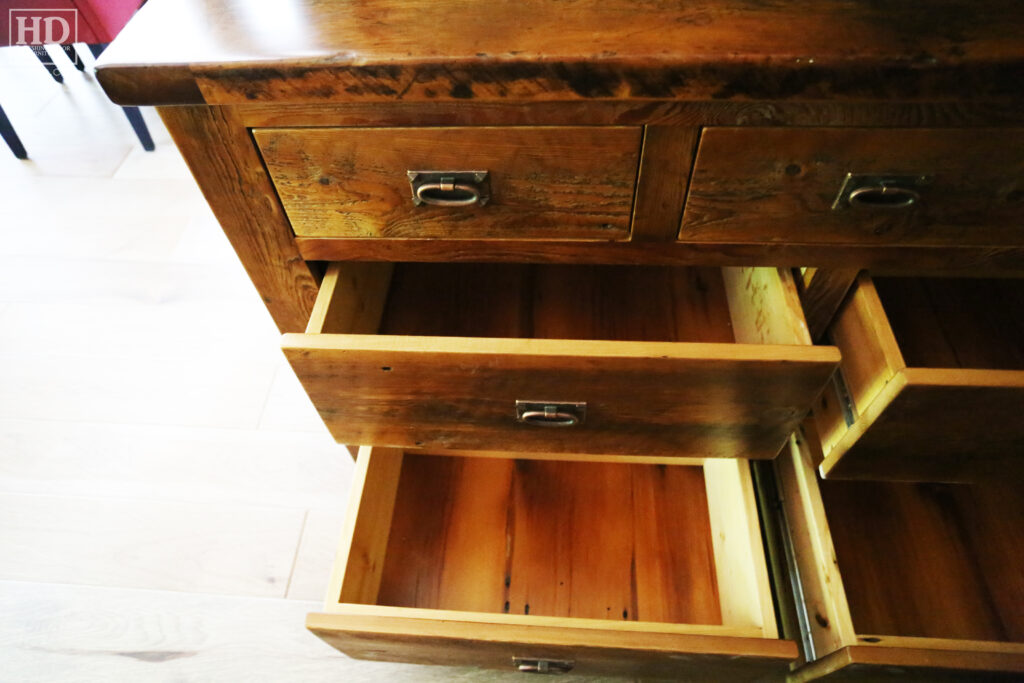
x=550, y=414
x=447, y=193
x=880, y=191
x=884, y=197
x=542, y=666
x=449, y=188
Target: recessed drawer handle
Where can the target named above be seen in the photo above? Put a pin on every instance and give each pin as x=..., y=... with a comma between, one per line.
x=884, y=197
x=880, y=191
x=542, y=666
x=550, y=414
x=449, y=188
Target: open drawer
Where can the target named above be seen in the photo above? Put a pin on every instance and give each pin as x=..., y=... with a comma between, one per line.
x=648, y=567
x=931, y=385
x=560, y=358
x=906, y=580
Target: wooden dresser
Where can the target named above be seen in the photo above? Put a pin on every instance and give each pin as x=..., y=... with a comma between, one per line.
x=573, y=274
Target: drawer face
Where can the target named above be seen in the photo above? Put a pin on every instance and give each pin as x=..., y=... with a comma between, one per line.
x=779, y=185
x=543, y=182
x=649, y=352
x=934, y=372
x=610, y=566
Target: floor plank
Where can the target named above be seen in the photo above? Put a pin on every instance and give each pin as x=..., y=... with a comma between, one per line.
x=198, y=547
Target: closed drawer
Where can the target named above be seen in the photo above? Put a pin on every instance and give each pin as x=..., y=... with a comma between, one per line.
x=931, y=385
x=903, y=580
x=609, y=566
x=542, y=182
x=781, y=185
x=618, y=360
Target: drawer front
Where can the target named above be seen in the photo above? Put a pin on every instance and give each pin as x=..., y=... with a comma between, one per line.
x=595, y=566
x=593, y=381
x=782, y=185
x=541, y=182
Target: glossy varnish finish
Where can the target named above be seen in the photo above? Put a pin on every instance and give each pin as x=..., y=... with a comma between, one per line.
x=648, y=349
x=318, y=51
x=544, y=181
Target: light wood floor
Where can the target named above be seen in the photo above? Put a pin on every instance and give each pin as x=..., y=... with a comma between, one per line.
x=169, y=501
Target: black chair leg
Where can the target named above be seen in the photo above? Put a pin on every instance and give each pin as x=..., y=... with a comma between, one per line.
x=69, y=50
x=44, y=57
x=139, y=126
x=10, y=137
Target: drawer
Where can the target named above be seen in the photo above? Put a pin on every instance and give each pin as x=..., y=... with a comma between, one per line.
x=905, y=580
x=641, y=568
x=781, y=186
x=541, y=182
x=560, y=358
x=931, y=385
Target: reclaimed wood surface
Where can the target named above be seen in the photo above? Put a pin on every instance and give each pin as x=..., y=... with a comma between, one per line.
x=670, y=381
x=220, y=153
x=319, y=51
x=822, y=292
x=545, y=182
x=779, y=185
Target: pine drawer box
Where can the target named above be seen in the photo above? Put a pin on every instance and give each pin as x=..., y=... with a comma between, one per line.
x=625, y=360
x=905, y=581
x=629, y=566
x=931, y=385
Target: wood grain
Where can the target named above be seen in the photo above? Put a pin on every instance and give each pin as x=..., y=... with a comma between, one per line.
x=778, y=185
x=822, y=292
x=665, y=166
x=312, y=51
x=913, y=561
x=223, y=160
x=894, y=258
x=545, y=182
x=552, y=539
x=458, y=389
x=914, y=664
x=625, y=653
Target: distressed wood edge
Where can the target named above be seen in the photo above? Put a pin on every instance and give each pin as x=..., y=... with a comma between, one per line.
x=917, y=656
x=224, y=161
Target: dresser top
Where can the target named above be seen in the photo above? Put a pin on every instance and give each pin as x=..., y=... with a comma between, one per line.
x=305, y=51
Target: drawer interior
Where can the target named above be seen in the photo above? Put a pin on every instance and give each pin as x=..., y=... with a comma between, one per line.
x=930, y=560
x=610, y=540
x=615, y=303
x=956, y=322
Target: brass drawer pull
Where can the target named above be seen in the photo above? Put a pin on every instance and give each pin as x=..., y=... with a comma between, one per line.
x=449, y=188
x=550, y=414
x=542, y=666
x=884, y=197
x=874, y=191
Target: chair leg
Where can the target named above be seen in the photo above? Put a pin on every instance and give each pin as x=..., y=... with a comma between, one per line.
x=69, y=50
x=97, y=49
x=10, y=137
x=44, y=57
x=139, y=126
